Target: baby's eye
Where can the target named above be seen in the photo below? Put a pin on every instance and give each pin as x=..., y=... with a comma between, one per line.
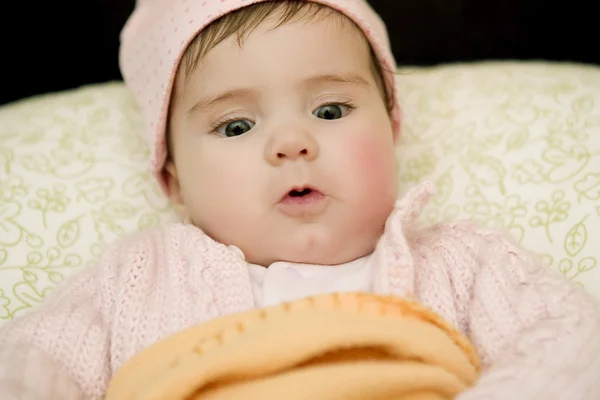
x=235, y=128
x=331, y=111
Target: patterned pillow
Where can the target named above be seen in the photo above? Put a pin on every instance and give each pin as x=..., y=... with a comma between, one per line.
x=513, y=145
x=72, y=179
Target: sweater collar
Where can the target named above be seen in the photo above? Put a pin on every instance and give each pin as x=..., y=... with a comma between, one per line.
x=392, y=259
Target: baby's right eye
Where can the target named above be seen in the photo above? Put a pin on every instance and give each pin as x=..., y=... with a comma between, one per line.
x=234, y=128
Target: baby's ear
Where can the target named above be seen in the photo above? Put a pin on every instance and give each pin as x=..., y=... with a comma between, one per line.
x=171, y=180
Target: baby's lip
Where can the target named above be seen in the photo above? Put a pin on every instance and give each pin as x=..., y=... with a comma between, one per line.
x=291, y=192
x=303, y=202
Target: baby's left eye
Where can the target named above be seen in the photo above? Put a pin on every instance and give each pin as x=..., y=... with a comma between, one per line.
x=331, y=111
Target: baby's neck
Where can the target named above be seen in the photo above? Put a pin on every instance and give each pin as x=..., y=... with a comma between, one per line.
x=286, y=281
x=281, y=264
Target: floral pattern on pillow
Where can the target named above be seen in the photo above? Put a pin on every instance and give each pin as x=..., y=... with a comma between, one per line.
x=73, y=178
x=514, y=146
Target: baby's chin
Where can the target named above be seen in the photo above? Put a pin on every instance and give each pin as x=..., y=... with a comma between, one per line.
x=324, y=252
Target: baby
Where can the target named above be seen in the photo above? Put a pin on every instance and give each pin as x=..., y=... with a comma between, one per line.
x=272, y=126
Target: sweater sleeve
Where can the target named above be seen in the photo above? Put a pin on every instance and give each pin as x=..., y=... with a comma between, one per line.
x=538, y=334
x=60, y=350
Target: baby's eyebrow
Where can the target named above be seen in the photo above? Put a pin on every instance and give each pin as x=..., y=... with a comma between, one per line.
x=226, y=96
x=344, y=77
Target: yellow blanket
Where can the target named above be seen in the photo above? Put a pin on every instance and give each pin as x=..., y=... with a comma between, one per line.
x=337, y=346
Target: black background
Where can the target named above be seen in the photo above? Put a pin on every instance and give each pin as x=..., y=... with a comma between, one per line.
x=49, y=46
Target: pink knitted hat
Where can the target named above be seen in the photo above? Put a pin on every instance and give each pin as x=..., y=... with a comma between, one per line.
x=158, y=31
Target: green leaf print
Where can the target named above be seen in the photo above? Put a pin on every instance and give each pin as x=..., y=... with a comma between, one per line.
x=96, y=249
x=530, y=171
x=588, y=187
x=556, y=156
x=34, y=240
x=34, y=258
x=565, y=266
x=12, y=189
x=522, y=114
x=148, y=221
x=95, y=190
x=485, y=170
x=68, y=233
x=583, y=104
x=514, y=114
x=55, y=201
x=572, y=272
x=477, y=206
x=33, y=136
x=4, y=306
x=416, y=168
x=72, y=260
x=506, y=215
x=69, y=164
x=118, y=209
x=488, y=142
x=10, y=231
x=6, y=158
x=444, y=186
x=133, y=147
x=576, y=238
x=26, y=292
x=551, y=213
x=136, y=184
x=517, y=139
x=572, y=121
x=566, y=163
x=97, y=117
x=458, y=138
x=29, y=276
x=53, y=254
x=55, y=277
x=39, y=163
x=546, y=259
x=586, y=264
x=105, y=225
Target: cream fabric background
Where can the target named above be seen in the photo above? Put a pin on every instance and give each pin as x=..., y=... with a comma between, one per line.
x=514, y=145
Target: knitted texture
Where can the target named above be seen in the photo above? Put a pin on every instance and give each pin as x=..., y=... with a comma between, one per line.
x=537, y=335
x=347, y=346
x=158, y=31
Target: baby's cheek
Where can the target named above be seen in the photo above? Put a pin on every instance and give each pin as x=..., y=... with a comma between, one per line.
x=374, y=164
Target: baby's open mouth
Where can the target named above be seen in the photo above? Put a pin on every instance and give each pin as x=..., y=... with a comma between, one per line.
x=303, y=202
x=300, y=193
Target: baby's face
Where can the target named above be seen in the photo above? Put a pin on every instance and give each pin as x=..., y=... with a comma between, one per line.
x=283, y=146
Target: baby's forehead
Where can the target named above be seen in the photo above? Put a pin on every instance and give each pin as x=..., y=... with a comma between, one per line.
x=236, y=28
x=306, y=63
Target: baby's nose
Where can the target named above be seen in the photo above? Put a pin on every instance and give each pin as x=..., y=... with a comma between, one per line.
x=292, y=147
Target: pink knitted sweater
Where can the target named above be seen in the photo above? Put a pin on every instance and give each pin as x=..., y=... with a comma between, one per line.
x=538, y=335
